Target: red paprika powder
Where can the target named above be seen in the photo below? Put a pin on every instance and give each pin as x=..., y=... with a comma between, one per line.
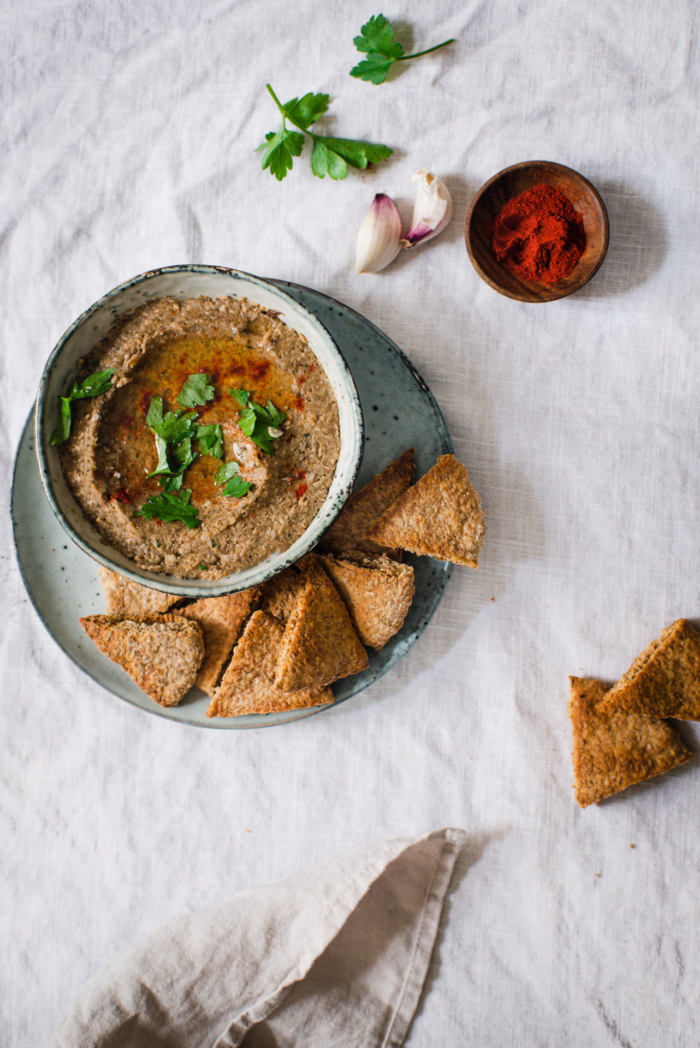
x=539, y=235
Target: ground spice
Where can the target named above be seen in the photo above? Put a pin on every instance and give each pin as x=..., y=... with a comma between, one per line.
x=539, y=235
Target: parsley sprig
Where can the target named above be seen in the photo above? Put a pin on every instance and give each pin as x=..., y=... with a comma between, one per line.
x=92, y=386
x=329, y=156
x=259, y=423
x=377, y=42
x=176, y=430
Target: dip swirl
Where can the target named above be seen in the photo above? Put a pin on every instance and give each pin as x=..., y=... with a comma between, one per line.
x=111, y=451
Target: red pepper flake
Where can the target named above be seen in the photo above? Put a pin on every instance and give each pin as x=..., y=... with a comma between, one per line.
x=301, y=380
x=121, y=495
x=298, y=403
x=301, y=490
x=312, y=367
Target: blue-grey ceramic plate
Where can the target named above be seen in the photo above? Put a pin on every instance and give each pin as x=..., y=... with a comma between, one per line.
x=399, y=412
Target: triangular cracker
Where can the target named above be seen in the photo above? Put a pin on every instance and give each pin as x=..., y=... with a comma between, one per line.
x=440, y=516
x=320, y=644
x=279, y=594
x=377, y=592
x=162, y=653
x=222, y=620
x=248, y=683
x=132, y=600
x=664, y=681
x=349, y=529
x=613, y=749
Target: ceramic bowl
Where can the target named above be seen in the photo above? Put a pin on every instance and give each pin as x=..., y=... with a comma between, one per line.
x=503, y=187
x=188, y=281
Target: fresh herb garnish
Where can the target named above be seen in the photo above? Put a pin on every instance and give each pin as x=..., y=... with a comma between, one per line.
x=173, y=431
x=211, y=440
x=255, y=420
x=92, y=386
x=235, y=485
x=169, y=507
x=329, y=156
x=196, y=391
x=377, y=42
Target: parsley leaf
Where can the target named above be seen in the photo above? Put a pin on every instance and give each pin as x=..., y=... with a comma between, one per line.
x=255, y=421
x=228, y=470
x=197, y=390
x=92, y=386
x=169, y=507
x=280, y=150
x=329, y=156
x=211, y=440
x=235, y=485
x=377, y=42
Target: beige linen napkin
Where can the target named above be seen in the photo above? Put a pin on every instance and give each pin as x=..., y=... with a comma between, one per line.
x=335, y=955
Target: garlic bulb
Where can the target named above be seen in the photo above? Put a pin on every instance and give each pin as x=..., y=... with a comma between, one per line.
x=379, y=237
x=432, y=209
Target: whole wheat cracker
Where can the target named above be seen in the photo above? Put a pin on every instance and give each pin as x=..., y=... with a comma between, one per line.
x=376, y=590
x=614, y=749
x=664, y=681
x=440, y=516
x=222, y=620
x=162, y=653
x=320, y=643
x=248, y=684
x=349, y=529
x=131, y=599
x=279, y=593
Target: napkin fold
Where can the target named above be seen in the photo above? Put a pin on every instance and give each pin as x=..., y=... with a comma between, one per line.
x=335, y=955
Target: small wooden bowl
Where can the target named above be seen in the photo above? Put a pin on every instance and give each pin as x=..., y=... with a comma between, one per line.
x=503, y=187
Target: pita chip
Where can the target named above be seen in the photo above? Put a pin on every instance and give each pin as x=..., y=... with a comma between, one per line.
x=280, y=593
x=377, y=592
x=162, y=653
x=320, y=643
x=664, y=681
x=131, y=599
x=614, y=749
x=222, y=620
x=440, y=516
x=248, y=684
x=349, y=530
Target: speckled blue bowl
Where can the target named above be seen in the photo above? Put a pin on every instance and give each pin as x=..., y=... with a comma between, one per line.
x=188, y=281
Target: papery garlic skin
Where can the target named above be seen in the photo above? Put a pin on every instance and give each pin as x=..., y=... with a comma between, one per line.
x=379, y=237
x=431, y=211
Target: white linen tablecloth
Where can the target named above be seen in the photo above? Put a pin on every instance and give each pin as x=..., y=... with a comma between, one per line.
x=128, y=133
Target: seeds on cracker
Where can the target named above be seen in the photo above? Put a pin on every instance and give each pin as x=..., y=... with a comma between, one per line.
x=248, y=684
x=377, y=592
x=614, y=749
x=320, y=643
x=222, y=620
x=162, y=653
x=349, y=530
x=131, y=599
x=440, y=516
x=664, y=681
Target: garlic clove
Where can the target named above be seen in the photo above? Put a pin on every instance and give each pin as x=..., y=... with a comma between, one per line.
x=432, y=209
x=379, y=236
